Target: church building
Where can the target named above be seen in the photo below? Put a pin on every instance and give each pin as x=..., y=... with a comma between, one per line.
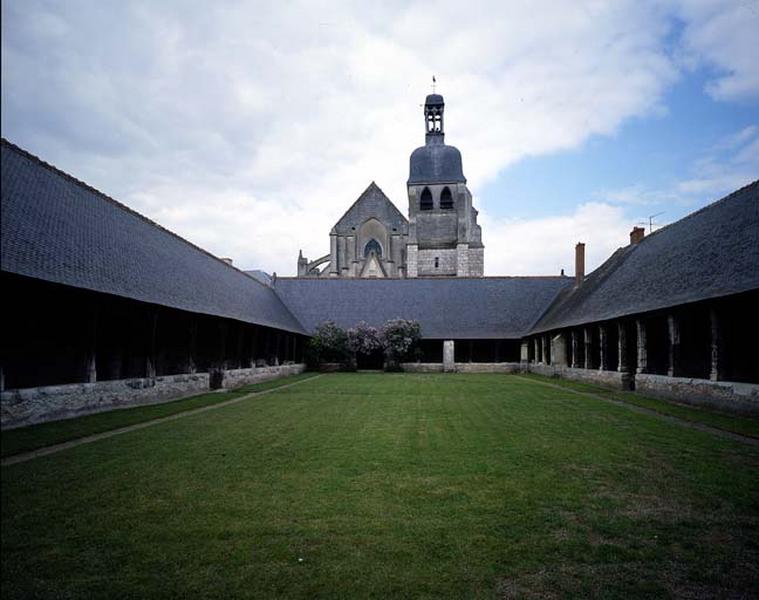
x=105, y=308
x=440, y=238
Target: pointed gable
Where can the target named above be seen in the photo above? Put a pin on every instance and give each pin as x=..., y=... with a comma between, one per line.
x=373, y=267
x=372, y=203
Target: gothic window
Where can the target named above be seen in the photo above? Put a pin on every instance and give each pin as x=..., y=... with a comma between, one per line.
x=437, y=262
x=373, y=246
x=426, y=201
x=446, y=199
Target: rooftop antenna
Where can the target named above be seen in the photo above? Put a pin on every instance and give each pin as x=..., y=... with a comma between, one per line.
x=651, y=221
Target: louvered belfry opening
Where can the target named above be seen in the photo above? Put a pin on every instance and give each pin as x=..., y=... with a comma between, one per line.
x=425, y=202
x=446, y=199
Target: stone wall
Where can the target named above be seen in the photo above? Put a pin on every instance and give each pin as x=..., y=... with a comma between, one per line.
x=476, y=262
x=447, y=260
x=36, y=405
x=722, y=395
x=504, y=367
x=412, y=260
x=422, y=367
x=727, y=396
x=462, y=260
x=463, y=367
x=238, y=377
x=613, y=379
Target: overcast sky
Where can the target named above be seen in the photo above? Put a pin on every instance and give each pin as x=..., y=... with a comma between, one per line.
x=249, y=128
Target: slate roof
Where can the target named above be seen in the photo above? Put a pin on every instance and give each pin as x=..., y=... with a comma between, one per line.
x=58, y=229
x=260, y=275
x=710, y=253
x=434, y=99
x=372, y=203
x=447, y=308
x=435, y=163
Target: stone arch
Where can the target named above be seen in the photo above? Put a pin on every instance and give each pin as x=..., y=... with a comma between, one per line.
x=446, y=199
x=373, y=246
x=373, y=229
x=425, y=202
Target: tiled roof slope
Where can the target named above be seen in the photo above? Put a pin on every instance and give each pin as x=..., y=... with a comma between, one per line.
x=461, y=308
x=58, y=229
x=710, y=253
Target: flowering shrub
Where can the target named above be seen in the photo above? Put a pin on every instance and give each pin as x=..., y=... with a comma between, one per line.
x=363, y=339
x=400, y=338
x=328, y=344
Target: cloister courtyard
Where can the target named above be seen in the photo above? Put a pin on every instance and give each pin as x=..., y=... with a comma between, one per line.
x=377, y=485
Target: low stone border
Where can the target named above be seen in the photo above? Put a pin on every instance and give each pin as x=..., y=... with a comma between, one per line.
x=653, y=413
x=505, y=367
x=38, y=405
x=729, y=396
x=25, y=456
x=613, y=379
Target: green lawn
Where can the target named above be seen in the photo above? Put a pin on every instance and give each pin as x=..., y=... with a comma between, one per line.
x=364, y=485
x=24, y=439
x=742, y=425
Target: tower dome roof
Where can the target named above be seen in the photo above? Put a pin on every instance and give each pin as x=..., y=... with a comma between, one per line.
x=436, y=163
x=434, y=99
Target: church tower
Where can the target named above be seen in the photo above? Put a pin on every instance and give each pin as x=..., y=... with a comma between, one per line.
x=443, y=236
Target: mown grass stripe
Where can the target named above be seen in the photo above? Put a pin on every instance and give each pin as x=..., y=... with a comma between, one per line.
x=47, y=450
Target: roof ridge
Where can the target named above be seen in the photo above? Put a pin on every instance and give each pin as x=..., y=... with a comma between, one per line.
x=115, y=202
x=696, y=212
x=425, y=277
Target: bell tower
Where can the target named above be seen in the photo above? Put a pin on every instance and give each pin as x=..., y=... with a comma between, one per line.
x=444, y=237
x=433, y=115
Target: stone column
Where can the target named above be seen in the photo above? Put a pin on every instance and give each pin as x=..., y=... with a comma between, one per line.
x=640, y=325
x=588, y=348
x=575, y=349
x=342, y=255
x=547, y=350
x=559, y=350
x=622, y=365
x=717, y=372
x=535, y=357
x=278, y=351
x=152, y=326
x=192, y=344
x=449, y=356
x=603, y=340
x=524, y=352
x=350, y=259
x=90, y=335
x=673, y=337
x=333, y=266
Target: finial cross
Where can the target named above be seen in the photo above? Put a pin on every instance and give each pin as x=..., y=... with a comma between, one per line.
x=433, y=84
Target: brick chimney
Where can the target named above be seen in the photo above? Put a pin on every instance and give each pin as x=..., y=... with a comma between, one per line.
x=579, y=263
x=636, y=235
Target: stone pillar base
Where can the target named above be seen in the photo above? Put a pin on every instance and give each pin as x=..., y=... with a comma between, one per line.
x=449, y=361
